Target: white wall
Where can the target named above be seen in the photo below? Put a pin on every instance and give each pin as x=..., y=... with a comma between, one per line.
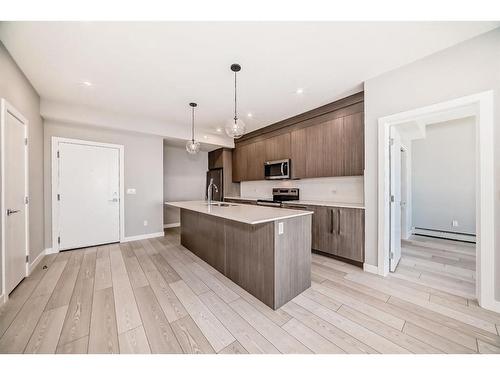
x=184, y=178
x=143, y=171
x=467, y=68
x=336, y=189
x=443, y=165
x=17, y=90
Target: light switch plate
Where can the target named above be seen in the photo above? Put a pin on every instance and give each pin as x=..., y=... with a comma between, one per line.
x=131, y=191
x=281, y=228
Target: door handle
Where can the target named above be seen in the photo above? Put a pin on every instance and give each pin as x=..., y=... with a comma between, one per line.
x=338, y=222
x=113, y=200
x=331, y=221
x=11, y=212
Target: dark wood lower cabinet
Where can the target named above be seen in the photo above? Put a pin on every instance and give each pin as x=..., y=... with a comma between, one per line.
x=337, y=231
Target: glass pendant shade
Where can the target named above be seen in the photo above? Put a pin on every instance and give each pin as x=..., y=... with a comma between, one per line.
x=235, y=129
x=192, y=147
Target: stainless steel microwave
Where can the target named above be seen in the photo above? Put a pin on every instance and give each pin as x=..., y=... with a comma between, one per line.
x=277, y=169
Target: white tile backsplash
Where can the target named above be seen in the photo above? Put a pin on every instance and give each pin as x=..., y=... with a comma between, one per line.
x=336, y=189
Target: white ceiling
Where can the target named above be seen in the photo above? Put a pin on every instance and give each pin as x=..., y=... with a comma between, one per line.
x=154, y=69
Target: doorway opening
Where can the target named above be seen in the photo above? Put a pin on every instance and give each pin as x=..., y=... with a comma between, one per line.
x=433, y=167
x=397, y=200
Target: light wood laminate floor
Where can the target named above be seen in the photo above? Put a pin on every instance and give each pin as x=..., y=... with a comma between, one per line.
x=154, y=296
x=444, y=264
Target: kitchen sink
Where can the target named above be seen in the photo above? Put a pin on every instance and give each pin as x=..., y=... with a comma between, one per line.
x=221, y=204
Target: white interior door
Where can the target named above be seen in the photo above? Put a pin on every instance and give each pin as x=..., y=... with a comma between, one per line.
x=16, y=213
x=88, y=200
x=395, y=166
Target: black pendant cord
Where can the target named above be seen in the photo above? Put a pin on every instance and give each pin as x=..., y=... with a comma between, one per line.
x=192, y=125
x=235, y=114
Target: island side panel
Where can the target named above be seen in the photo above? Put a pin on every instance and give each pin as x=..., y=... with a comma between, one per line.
x=292, y=258
x=204, y=236
x=250, y=258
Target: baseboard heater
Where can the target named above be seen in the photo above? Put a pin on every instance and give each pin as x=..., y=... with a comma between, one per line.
x=456, y=236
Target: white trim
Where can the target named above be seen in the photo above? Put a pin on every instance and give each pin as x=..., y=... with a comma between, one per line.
x=143, y=236
x=370, y=268
x=2, y=299
x=50, y=250
x=37, y=260
x=485, y=198
x=54, y=179
x=172, y=225
x=4, y=107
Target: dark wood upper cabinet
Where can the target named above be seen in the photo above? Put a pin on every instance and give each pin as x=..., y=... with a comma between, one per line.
x=298, y=153
x=215, y=159
x=326, y=144
x=240, y=156
x=278, y=147
x=353, y=139
x=255, y=161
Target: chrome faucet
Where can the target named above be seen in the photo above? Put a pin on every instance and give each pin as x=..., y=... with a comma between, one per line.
x=210, y=188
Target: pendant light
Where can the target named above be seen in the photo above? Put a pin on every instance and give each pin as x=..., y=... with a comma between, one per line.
x=192, y=146
x=235, y=128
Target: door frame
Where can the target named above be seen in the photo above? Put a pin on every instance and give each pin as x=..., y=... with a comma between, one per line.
x=485, y=193
x=55, y=175
x=7, y=107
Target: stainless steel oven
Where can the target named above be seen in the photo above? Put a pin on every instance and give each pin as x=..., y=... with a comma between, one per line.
x=277, y=169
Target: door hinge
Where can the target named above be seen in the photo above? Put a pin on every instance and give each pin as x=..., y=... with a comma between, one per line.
x=392, y=198
x=391, y=255
x=58, y=155
x=26, y=141
x=58, y=240
x=26, y=200
x=27, y=258
x=391, y=141
x=58, y=197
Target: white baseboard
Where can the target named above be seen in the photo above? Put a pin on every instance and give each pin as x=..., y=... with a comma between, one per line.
x=370, y=268
x=37, y=260
x=143, y=236
x=172, y=225
x=50, y=251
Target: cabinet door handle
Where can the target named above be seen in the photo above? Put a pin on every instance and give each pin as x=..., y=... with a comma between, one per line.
x=331, y=221
x=338, y=222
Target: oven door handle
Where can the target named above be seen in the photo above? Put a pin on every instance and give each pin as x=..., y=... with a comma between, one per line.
x=282, y=167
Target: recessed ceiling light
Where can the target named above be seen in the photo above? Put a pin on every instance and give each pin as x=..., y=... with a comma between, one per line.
x=249, y=115
x=218, y=130
x=299, y=91
x=87, y=83
x=205, y=136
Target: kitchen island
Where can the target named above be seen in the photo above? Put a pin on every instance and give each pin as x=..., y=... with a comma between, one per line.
x=265, y=250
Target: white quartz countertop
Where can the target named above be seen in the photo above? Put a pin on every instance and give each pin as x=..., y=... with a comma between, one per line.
x=243, y=213
x=310, y=202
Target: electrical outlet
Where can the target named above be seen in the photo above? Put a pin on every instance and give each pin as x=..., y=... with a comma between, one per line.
x=281, y=228
x=131, y=191
x=145, y=223
x=454, y=223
